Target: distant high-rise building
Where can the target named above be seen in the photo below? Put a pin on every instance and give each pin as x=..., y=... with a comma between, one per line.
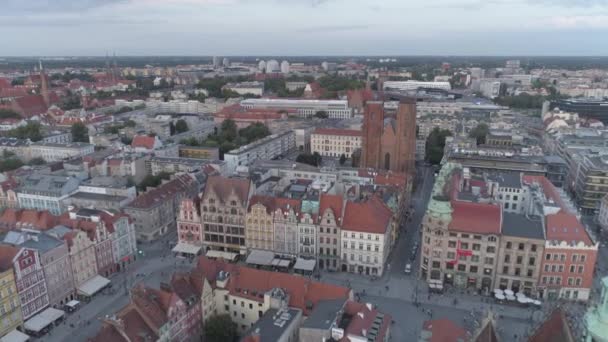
x=272, y=66
x=262, y=66
x=216, y=62
x=285, y=67
x=389, y=143
x=44, y=86
x=226, y=62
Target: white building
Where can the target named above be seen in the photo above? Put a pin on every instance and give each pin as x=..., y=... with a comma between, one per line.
x=52, y=152
x=603, y=215
x=413, y=85
x=243, y=88
x=262, y=65
x=366, y=236
x=46, y=192
x=272, y=66
x=335, y=142
x=285, y=67
x=490, y=88
x=267, y=148
x=335, y=109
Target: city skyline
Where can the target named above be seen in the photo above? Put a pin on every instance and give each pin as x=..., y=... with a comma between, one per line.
x=307, y=27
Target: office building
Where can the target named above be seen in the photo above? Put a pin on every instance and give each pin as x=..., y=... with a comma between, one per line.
x=335, y=109
x=335, y=142
x=270, y=147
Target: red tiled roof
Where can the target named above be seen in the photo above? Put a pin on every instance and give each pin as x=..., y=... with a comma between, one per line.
x=5, y=83
x=143, y=141
x=549, y=189
x=181, y=183
x=362, y=319
x=333, y=202
x=12, y=92
x=243, y=281
x=477, y=218
x=340, y=132
x=371, y=216
x=7, y=254
x=31, y=105
x=29, y=218
x=224, y=186
x=132, y=324
x=151, y=305
x=566, y=227
x=444, y=330
x=554, y=329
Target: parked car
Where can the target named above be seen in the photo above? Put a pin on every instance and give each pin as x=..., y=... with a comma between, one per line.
x=408, y=268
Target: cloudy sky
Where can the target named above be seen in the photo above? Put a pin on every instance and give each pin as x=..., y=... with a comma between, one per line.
x=304, y=27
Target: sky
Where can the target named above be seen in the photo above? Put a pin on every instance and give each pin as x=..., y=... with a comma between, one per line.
x=303, y=27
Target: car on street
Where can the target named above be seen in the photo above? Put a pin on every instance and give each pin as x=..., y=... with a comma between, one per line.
x=408, y=268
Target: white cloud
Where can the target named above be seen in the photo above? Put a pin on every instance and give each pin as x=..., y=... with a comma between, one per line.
x=579, y=21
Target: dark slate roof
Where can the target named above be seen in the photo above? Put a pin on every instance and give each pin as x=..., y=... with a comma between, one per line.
x=273, y=324
x=521, y=226
x=324, y=314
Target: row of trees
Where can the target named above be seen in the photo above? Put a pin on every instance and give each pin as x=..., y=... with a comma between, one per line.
x=435, y=142
x=9, y=114
x=230, y=137
x=10, y=161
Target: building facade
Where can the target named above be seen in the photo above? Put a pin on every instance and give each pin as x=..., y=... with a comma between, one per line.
x=329, y=234
x=10, y=312
x=46, y=192
x=335, y=142
x=389, y=144
x=154, y=212
x=52, y=152
x=224, y=206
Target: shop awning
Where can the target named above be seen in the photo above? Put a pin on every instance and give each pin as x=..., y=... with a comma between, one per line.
x=43, y=319
x=221, y=255
x=72, y=303
x=280, y=262
x=186, y=248
x=93, y=285
x=15, y=336
x=259, y=257
x=305, y=264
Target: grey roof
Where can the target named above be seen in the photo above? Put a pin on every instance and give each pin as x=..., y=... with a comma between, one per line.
x=59, y=231
x=324, y=314
x=507, y=179
x=273, y=324
x=91, y=196
x=44, y=243
x=519, y=225
x=554, y=159
x=48, y=184
x=107, y=181
x=39, y=241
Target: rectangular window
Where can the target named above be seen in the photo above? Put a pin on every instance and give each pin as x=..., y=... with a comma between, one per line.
x=531, y=261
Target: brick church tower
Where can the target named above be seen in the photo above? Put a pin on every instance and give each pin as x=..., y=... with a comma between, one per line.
x=389, y=143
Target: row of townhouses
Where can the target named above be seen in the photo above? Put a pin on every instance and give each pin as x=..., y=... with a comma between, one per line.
x=507, y=231
x=50, y=260
x=264, y=306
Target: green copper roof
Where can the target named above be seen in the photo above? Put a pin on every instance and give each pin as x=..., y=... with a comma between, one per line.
x=439, y=205
x=596, y=318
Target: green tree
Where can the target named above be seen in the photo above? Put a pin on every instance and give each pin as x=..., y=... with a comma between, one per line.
x=8, y=114
x=219, y=328
x=310, y=159
x=130, y=123
x=10, y=164
x=80, y=132
x=342, y=159
x=479, y=133
x=181, y=126
x=30, y=131
x=254, y=132
x=153, y=181
x=37, y=161
x=321, y=114
x=229, y=130
x=435, y=144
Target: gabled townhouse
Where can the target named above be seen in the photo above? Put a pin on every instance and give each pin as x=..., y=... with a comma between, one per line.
x=29, y=278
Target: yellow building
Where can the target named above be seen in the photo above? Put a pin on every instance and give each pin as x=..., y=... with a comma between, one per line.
x=10, y=306
x=199, y=152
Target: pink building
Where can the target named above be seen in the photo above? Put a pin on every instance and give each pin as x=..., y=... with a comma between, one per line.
x=29, y=276
x=189, y=226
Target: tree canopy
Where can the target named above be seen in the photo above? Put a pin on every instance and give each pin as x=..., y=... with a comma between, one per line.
x=8, y=114
x=479, y=133
x=321, y=114
x=30, y=131
x=314, y=159
x=219, y=328
x=152, y=181
x=435, y=144
x=80, y=132
x=181, y=126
